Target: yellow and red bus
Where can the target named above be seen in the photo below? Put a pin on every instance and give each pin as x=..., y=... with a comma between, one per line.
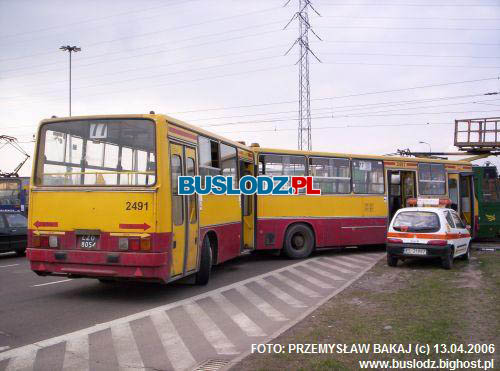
x=104, y=201
x=359, y=195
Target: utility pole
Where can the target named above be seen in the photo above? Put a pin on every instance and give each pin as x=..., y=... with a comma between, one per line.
x=70, y=49
x=304, y=129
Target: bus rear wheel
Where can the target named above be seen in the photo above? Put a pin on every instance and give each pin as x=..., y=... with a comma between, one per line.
x=203, y=275
x=299, y=241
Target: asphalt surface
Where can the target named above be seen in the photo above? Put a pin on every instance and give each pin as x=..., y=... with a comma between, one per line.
x=34, y=308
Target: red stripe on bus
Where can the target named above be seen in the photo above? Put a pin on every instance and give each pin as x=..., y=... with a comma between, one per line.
x=183, y=133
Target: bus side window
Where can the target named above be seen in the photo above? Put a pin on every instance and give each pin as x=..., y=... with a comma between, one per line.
x=209, y=158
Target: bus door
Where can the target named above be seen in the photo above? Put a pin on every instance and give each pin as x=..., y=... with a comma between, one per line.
x=184, y=212
x=247, y=210
x=453, y=193
x=402, y=187
x=466, y=205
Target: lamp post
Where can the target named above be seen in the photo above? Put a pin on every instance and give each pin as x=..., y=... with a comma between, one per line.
x=430, y=150
x=70, y=49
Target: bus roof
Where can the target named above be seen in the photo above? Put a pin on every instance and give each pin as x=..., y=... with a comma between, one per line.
x=350, y=155
x=158, y=117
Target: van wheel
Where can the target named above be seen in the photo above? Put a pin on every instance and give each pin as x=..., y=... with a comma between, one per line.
x=21, y=252
x=203, y=275
x=466, y=256
x=447, y=261
x=392, y=261
x=299, y=241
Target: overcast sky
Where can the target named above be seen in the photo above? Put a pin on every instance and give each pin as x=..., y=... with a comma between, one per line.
x=221, y=64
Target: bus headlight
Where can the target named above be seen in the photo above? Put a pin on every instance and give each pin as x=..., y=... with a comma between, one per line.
x=53, y=241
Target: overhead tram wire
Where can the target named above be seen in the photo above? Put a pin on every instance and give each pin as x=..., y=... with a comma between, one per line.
x=144, y=34
x=409, y=65
x=423, y=5
x=156, y=45
x=343, y=96
x=351, y=17
x=350, y=107
x=152, y=76
x=414, y=55
x=94, y=19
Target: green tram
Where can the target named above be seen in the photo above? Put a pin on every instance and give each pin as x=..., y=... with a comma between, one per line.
x=487, y=187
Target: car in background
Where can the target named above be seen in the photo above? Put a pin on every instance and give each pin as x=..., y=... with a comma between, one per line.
x=427, y=232
x=13, y=232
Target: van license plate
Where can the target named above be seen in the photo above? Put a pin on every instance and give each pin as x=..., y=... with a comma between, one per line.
x=88, y=242
x=415, y=251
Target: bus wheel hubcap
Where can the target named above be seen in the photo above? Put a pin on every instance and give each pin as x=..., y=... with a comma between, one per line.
x=298, y=241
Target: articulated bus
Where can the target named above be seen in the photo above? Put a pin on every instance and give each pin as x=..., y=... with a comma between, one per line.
x=359, y=195
x=104, y=201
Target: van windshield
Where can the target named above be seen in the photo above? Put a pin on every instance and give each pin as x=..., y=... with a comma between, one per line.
x=97, y=152
x=416, y=221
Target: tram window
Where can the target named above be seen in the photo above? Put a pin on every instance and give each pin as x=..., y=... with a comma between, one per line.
x=368, y=176
x=453, y=192
x=431, y=179
x=331, y=175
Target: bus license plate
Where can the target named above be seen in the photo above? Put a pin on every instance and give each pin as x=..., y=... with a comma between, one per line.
x=88, y=242
x=415, y=251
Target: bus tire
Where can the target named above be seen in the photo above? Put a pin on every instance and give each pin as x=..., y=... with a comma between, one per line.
x=392, y=260
x=203, y=275
x=106, y=281
x=299, y=241
x=447, y=260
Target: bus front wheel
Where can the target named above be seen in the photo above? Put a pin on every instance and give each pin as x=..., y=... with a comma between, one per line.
x=299, y=241
x=203, y=274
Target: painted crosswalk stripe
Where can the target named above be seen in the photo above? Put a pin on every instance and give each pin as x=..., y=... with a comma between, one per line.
x=296, y=285
x=313, y=280
x=327, y=268
x=125, y=347
x=240, y=318
x=76, y=355
x=332, y=264
x=357, y=259
x=24, y=362
x=342, y=260
x=280, y=294
x=261, y=304
x=177, y=352
x=210, y=330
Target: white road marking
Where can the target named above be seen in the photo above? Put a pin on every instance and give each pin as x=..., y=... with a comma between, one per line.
x=10, y=265
x=261, y=304
x=24, y=361
x=4, y=348
x=76, y=356
x=280, y=294
x=126, y=350
x=357, y=259
x=318, y=271
x=342, y=260
x=241, y=319
x=51, y=283
x=330, y=263
x=177, y=352
x=210, y=330
x=315, y=281
x=297, y=286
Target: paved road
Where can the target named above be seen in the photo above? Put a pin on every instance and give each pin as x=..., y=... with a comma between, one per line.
x=53, y=323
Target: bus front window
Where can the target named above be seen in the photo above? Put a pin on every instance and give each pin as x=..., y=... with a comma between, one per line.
x=104, y=152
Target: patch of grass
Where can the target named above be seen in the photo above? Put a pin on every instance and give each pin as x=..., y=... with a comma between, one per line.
x=417, y=302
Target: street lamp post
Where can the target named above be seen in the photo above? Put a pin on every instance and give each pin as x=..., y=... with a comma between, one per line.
x=70, y=49
x=430, y=149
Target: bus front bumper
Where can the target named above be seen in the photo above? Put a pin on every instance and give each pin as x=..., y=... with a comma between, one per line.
x=99, y=264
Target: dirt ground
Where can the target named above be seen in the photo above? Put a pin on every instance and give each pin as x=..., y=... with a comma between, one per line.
x=417, y=302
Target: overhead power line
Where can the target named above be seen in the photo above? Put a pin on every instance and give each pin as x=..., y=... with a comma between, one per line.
x=343, y=96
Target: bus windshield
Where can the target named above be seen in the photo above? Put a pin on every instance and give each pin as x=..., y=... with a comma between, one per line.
x=10, y=192
x=98, y=152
